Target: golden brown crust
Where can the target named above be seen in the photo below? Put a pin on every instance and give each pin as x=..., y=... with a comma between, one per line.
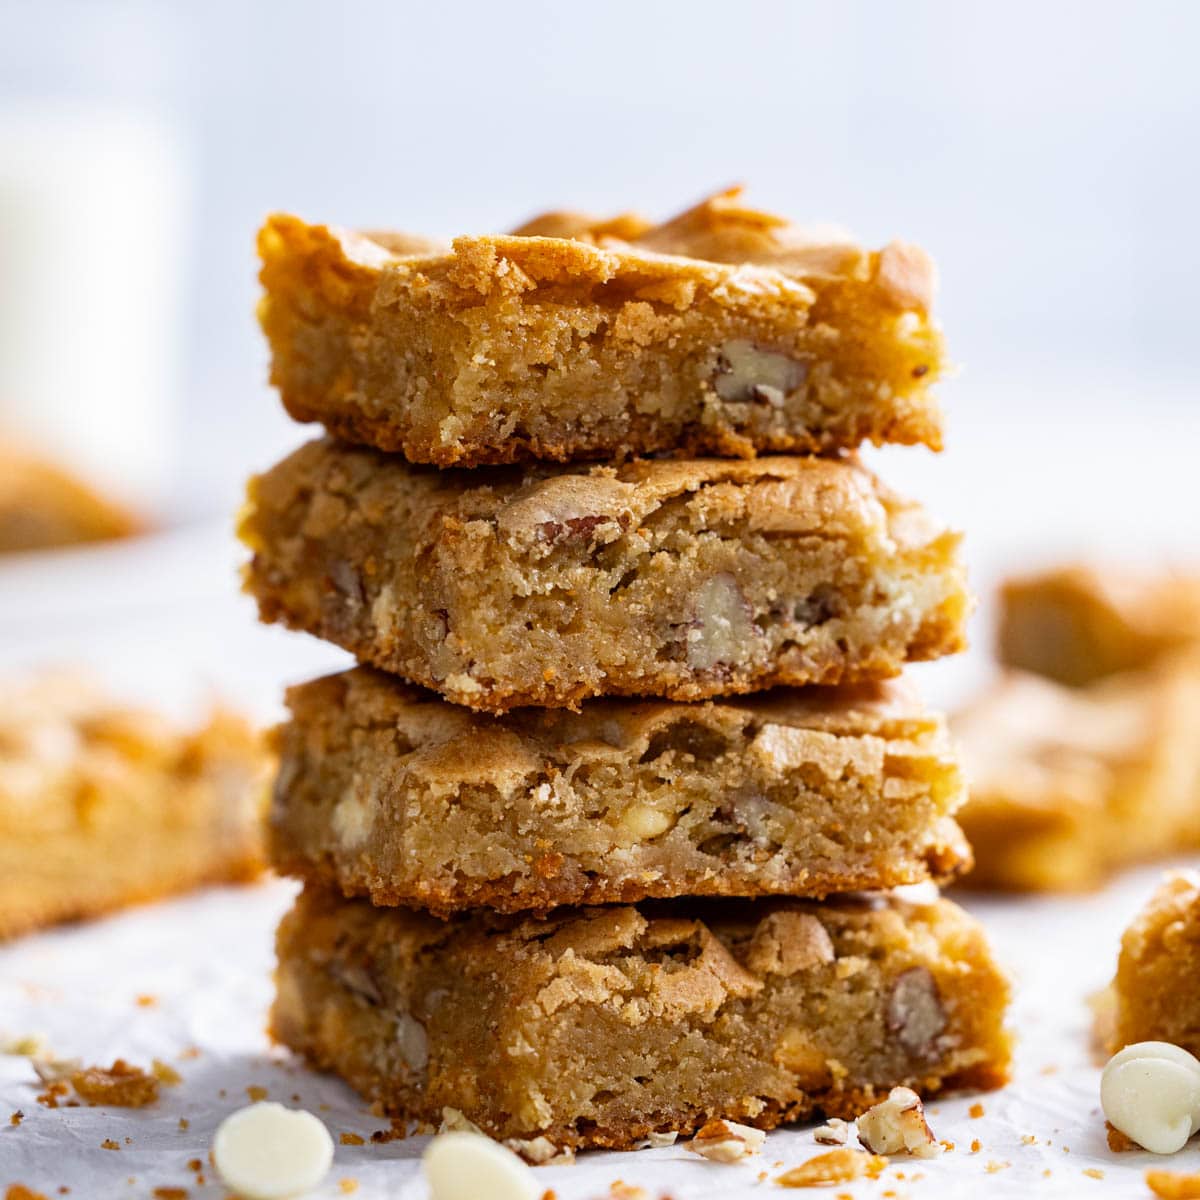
x=582, y=338
x=682, y=579
x=1068, y=785
x=104, y=806
x=598, y=1027
x=386, y=791
x=42, y=506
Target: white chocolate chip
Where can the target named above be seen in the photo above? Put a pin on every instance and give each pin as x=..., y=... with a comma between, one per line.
x=645, y=822
x=468, y=1166
x=268, y=1152
x=897, y=1125
x=1150, y=1091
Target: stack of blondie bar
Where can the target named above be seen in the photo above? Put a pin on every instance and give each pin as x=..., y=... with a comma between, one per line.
x=572, y=874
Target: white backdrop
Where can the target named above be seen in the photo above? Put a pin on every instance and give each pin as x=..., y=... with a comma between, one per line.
x=1043, y=151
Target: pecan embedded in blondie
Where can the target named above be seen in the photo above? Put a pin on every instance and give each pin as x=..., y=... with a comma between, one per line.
x=102, y=805
x=684, y=579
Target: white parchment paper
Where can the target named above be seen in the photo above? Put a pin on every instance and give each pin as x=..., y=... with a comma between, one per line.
x=205, y=963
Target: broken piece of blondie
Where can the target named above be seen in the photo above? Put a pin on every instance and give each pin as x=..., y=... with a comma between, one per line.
x=723, y=331
x=599, y=1027
x=1079, y=623
x=1068, y=784
x=102, y=805
x=1156, y=992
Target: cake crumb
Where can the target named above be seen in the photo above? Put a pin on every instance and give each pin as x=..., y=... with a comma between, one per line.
x=1173, y=1185
x=16, y=1118
x=834, y=1166
x=976, y=1146
x=109, y=1144
x=18, y=1191
x=1119, y=1142
x=53, y=1093
x=165, y=1073
x=1028, y=1139
x=1093, y=1172
x=146, y=1000
x=347, y=1185
x=352, y=1139
x=170, y=1193
x=947, y=1146
x=256, y=1093
x=119, y=1086
x=183, y=1123
x=189, y=1052
x=995, y=1165
x=975, y=1111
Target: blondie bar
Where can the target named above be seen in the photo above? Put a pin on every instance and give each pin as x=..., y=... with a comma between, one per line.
x=386, y=791
x=1068, y=784
x=42, y=506
x=103, y=806
x=598, y=1027
x=723, y=331
x=1078, y=623
x=1156, y=993
x=683, y=579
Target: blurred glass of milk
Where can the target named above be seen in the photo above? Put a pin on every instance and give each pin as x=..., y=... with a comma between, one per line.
x=91, y=221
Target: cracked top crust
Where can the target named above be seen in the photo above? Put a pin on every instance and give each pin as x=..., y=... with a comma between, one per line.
x=817, y=725
x=721, y=242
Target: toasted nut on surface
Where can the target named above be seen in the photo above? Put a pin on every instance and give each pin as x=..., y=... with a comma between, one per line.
x=835, y=1132
x=897, y=1125
x=727, y=1141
